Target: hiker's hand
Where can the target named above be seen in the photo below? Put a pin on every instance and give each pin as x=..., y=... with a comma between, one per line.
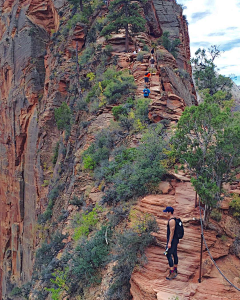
x=169, y=245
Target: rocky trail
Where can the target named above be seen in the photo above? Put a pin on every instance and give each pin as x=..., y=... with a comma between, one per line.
x=165, y=100
x=150, y=282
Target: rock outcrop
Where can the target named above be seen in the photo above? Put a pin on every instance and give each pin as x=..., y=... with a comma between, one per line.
x=150, y=282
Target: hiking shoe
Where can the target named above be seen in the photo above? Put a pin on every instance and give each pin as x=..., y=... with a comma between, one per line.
x=176, y=273
x=171, y=275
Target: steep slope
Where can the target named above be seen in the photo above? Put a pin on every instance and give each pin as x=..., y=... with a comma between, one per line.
x=41, y=166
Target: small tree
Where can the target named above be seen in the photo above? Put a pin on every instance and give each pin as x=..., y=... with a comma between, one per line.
x=170, y=46
x=207, y=140
x=124, y=14
x=63, y=117
x=205, y=73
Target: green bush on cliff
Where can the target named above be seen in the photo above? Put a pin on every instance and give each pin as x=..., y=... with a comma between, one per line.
x=118, y=87
x=47, y=251
x=216, y=215
x=119, y=110
x=139, y=173
x=86, y=223
x=63, y=117
x=85, y=263
x=140, y=55
x=235, y=206
x=135, y=241
x=99, y=150
x=170, y=46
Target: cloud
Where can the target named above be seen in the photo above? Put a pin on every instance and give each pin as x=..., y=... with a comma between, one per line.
x=200, y=44
x=199, y=16
x=217, y=33
x=230, y=45
x=231, y=28
x=225, y=67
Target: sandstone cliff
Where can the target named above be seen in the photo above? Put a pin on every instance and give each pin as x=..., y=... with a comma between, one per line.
x=37, y=74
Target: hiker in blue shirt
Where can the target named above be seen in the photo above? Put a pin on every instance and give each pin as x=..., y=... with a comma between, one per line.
x=146, y=92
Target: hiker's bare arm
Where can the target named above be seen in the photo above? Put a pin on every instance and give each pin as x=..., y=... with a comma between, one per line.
x=172, y=228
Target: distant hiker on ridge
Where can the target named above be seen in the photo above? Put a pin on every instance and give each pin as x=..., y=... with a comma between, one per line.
x=146, y=77
x=146, y=92
x=174, y=233
x=152, y=63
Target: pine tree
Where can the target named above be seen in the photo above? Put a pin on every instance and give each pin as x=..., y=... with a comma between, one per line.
x=124, y=14
x=205, y=72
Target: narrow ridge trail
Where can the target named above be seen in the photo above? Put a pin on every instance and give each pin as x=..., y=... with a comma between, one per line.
x=150, y=282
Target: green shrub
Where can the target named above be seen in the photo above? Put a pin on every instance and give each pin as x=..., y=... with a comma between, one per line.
x=99, y=150
x=115, y=87
x=139, y=173
x=235, y=206
x=119, y=87
x=119, y=110
x=52, y=196
x=141, y=109
x=182, y=73
x=55, y=154
x=86, y=56
x=216, y=215
x=125, y=260
x=85, y=224
x=169, y=45
x=140, y=55
x=145, y=48
x=77, y=201
x=88, y=257
x=108, y=50
x=16, y=291
x=47, y=252
x=223, y=238
x=63, y=117
x=126, y=122
x=82, y=105
x=159, y=55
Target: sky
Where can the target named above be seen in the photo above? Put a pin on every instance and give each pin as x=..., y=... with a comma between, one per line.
x=216, y=22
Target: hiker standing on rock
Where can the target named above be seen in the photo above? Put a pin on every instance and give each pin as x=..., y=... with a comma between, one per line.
x=152, y=63
x=146, y=77
x=174, y=233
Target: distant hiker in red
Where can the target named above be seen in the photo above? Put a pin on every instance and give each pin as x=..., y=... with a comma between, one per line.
x=175, y=232
x=146, y=77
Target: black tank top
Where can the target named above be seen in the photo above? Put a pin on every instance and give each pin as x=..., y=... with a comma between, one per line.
x=168, y=230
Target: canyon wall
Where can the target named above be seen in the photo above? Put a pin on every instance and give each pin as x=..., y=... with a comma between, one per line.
x=28, y=97
x=25, y=28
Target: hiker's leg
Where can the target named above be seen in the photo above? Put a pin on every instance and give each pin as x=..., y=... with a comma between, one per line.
x=175, y=256
x=170, y=261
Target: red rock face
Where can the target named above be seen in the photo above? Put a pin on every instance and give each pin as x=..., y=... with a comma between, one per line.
x=21, y=83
